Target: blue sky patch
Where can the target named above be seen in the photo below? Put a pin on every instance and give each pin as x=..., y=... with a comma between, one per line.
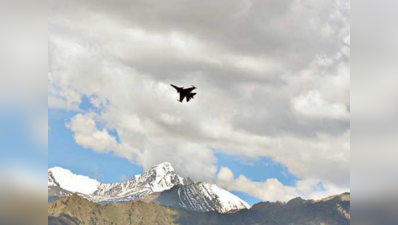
x=19, y=145
x=257, y=169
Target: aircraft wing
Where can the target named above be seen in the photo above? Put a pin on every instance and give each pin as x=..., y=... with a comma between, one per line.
x=178, y=89
x=182, y=96
x=189, y=89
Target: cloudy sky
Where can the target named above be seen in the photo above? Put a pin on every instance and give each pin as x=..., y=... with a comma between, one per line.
x=271, y=120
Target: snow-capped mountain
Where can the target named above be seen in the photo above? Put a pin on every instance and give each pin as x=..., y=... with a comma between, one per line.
x=202, y=197
x=159, y=184
x=51, y=180
x=67, y=180
x=157, y=179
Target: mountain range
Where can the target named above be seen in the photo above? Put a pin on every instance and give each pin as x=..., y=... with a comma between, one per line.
x=76, y=210
x=160, y=196
x=160, y=184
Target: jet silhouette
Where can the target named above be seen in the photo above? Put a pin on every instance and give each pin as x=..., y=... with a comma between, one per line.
x=185, y=93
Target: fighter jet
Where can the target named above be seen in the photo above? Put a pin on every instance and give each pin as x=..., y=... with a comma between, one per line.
x=185, y=93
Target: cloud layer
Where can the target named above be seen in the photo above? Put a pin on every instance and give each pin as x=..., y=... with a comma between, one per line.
x=273, y=80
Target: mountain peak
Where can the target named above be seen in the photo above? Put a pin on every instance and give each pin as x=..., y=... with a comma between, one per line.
x=153, y=182
x=164, y=166
x=161, y=170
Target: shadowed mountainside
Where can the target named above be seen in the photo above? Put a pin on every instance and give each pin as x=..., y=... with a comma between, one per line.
x=75, y=210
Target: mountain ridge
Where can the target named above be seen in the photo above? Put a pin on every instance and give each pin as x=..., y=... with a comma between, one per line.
x=74, y=210
x=198, y=196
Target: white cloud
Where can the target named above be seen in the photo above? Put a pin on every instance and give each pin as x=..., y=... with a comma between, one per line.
x=312, y=104
x=88, y=135
x=247, y=73
x=269, y=190
x=170, y=119
x=61, y=97
x=273, y=190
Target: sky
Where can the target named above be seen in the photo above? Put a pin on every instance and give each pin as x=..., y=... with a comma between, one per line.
x=270, y=122
x=23, y=96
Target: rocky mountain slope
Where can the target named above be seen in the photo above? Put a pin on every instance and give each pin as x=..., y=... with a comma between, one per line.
x=153, y=185
x=202, y=197
x=75, y=210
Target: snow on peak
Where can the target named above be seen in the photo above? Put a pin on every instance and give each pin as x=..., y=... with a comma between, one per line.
x=227, y=200
x=163, y=168
x=159, y=178
x=67, y=180
x=50, y=180
x=162, y=177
